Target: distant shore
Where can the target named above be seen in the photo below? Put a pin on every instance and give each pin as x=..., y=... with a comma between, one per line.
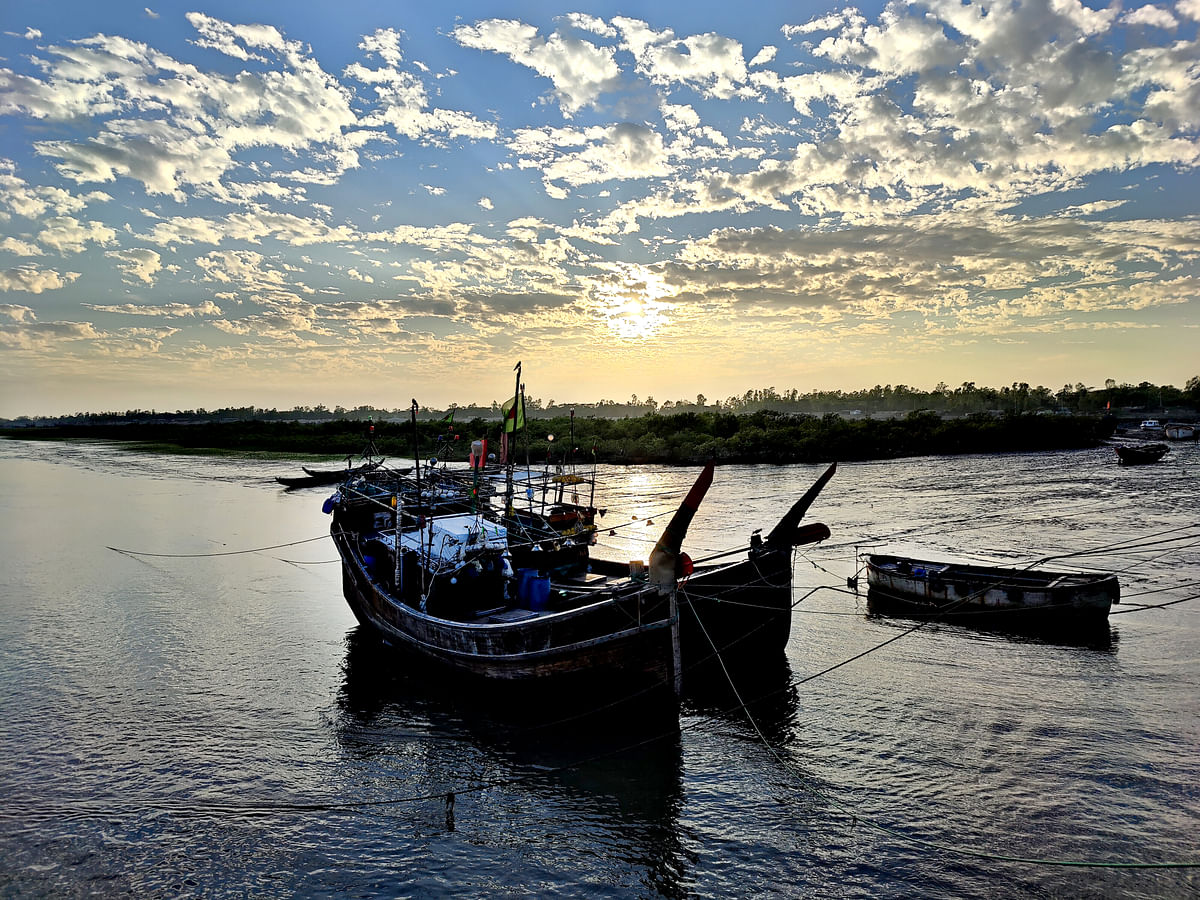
x=681, y=439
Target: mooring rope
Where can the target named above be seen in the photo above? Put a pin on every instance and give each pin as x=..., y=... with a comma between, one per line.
x=221, y=553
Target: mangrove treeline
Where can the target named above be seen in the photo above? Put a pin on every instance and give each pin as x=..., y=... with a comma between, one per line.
x=765, y=436
x=1018, y=398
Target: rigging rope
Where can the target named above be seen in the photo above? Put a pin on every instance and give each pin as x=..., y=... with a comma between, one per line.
x=222, y=553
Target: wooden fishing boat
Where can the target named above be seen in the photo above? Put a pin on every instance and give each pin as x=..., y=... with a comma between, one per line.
x=990, y=595
x=336, y=475
x=321, y=477
x=445, y=588
x=1180, y=431
x=1140, y=454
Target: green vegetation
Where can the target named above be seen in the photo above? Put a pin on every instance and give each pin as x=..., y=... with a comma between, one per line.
x=765, y=436
x=761, y=426
x=1016, y=399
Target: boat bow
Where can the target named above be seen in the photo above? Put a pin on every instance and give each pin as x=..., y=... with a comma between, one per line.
x=789, y=533
x=665, y=556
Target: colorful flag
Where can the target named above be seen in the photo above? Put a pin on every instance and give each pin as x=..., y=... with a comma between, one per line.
x=514, y=414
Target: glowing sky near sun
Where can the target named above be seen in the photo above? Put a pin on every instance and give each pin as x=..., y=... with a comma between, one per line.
x=360, y=203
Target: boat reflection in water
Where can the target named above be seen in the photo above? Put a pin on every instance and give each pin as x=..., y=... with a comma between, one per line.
x=761, y=697
x=428, y=733
x=1093, y=635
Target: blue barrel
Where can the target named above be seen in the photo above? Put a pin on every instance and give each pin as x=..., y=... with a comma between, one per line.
x=539, y=591
x=533, y=588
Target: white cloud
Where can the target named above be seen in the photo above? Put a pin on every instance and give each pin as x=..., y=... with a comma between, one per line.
x=139, y=264
x=403, y=101
x=169, y=310
x=67, y=234
x=16, y=313
x=764, y=56
x=1154, y=16
x=579, y=70
x=37, y=336
x=34, y=201
x=710, y=63
x=19, y=247
x=34, y=279
x=175, y=127
x=619, y=152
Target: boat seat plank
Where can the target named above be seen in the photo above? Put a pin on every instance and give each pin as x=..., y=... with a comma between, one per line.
x=586, y=579
x=513, y=615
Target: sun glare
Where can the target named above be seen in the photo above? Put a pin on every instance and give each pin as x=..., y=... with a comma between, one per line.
x=632, y=304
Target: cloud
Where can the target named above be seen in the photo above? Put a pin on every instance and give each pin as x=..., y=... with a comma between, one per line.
x=1153, y=16
x=20, y=248
x=177, y=128
x=16, y=313
x=34, y=280
x=579, y=70
x=764, y=56
x=138, y=264
x=67, y=234
x=36, y=336
x=618, y=152
x=32, y=202
x=402, y=101
x=170, y=310
x=709, y=63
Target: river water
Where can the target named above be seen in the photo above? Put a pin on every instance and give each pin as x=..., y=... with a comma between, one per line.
x=213, y=722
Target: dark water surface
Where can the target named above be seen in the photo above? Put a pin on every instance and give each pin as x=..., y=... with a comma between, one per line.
x=217, y=725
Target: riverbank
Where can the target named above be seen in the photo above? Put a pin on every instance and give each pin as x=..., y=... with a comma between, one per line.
x=682, y=439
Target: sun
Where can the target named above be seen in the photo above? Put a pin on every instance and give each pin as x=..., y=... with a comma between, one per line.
x=632, y=304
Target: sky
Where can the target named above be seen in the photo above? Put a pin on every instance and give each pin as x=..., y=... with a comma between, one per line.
x=364, y=203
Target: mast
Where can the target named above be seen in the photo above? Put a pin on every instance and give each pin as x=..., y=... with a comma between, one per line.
x=420, y=525
x=508, y=471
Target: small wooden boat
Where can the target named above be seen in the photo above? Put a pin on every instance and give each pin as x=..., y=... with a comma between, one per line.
x=1179, y=431
x=991, y=595
x=1140, y=454
x=293, y=483
x=319, y=477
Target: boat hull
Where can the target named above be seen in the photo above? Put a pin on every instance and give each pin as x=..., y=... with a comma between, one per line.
x=616, y=645
x=738, y=610
x=988, y=595
x=1140, y=455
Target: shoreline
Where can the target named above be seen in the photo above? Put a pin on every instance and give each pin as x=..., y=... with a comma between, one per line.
x=684, y=439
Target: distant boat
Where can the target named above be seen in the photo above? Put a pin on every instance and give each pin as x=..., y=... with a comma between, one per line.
x=1150, y=425
x=1140, y=454
x=1179, y=431
x=965, y=593
x=318, y=477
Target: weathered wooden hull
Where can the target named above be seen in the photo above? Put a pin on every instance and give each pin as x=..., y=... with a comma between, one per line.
x=740, y=610
x=737, y=609
x=621, y=644
x=991, y=596
x=1141, y=455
